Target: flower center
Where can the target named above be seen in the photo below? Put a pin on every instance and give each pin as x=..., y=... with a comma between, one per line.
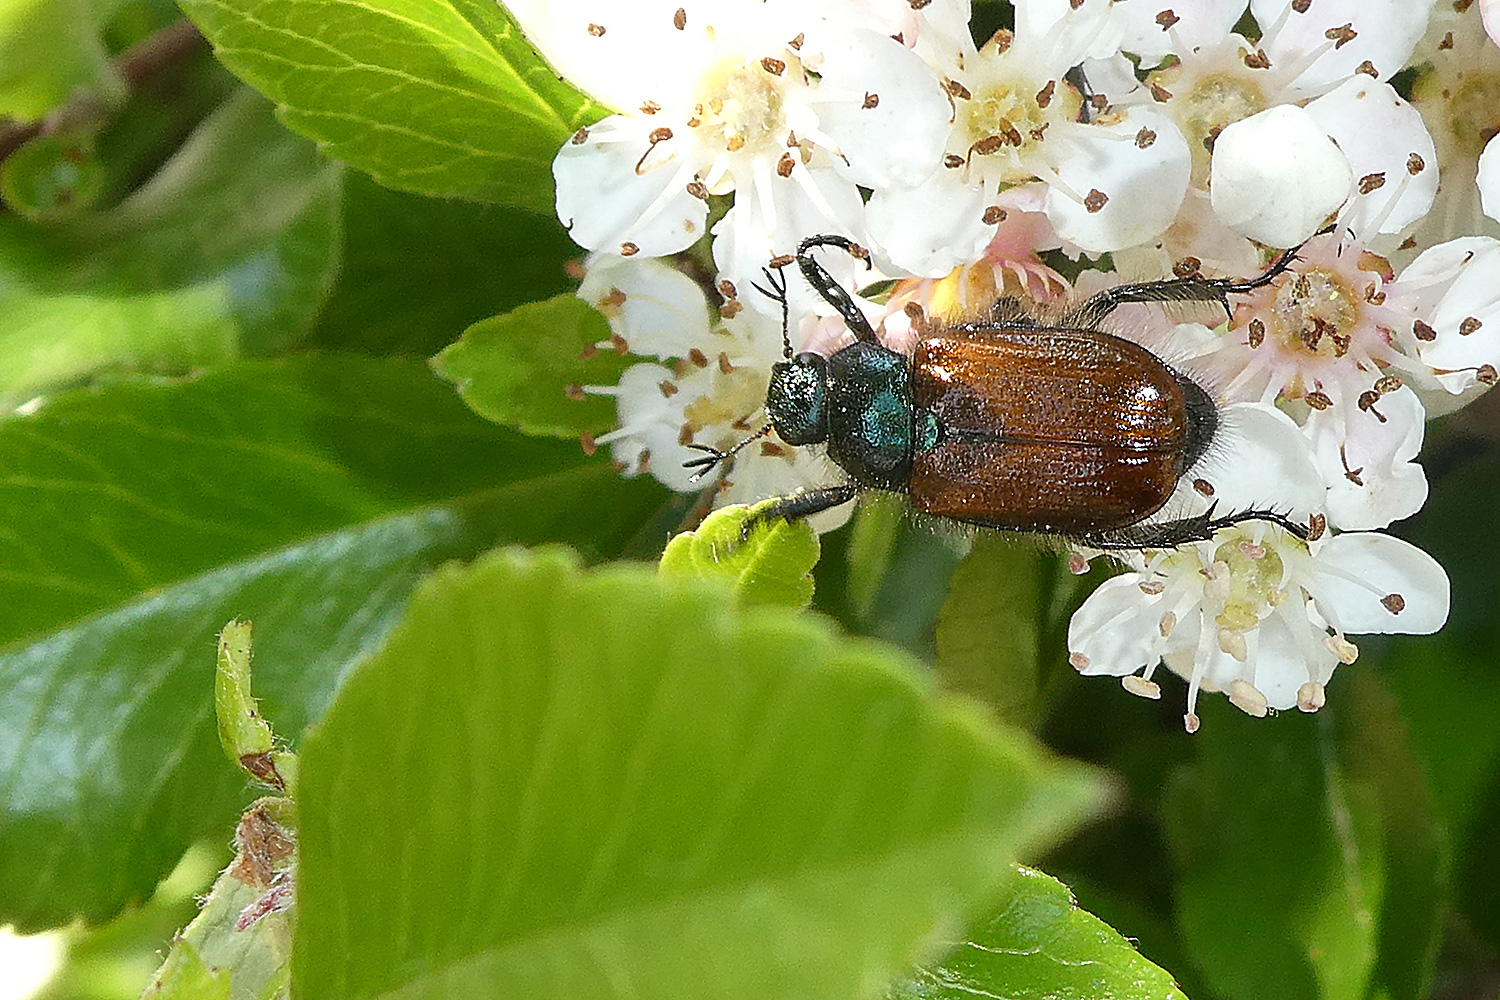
x=1313, y=313
x=741, y=107
x=1474, y=112
x=1006, y=116
x=1210, y=104
x=1255, y=573
x=733, y=396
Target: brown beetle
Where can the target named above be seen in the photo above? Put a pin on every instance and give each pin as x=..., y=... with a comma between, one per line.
x=1008, y=422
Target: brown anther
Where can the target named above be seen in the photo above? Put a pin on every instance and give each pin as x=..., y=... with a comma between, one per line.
x=1075, y=4
x=1387, y=384
x=918, y=4
x=1258, y=59
x=772, y=65
x=575, y=392
x=1408, y=243
x=1144, y=138
x=610, y=304
x=1257, y=334
x=645, y=460
x=1316, y=525
x=1342, y=35
x=1095, y=200
x=1469, y=325
x=650, y=108
x=1415, y=164
x=872, y=101
x=953, y=161
x=994, y=215
x=1204, y=487
x=1368, y=69
x=785, y=165
x=782, y=260
x=1371, y=182
x=731, y=309
x=1158, y=92
x=1318, y=400
x=735, y=143
x=1167, y=18
x=587, y=440
x=574, y=269
x=1300, y=6
x=771, y=448
x=697, y=190
x=668, y=387
x=1373, y=295
x=597, y=30
x=1099, y=101
x=580, y=137
x=679, y=19
x=628, y=249
x=857, y=252
x=1044, y=96
x=1367, y=401
x=1462, y=5
x=987, y=145
x=1187, y=267
x=1011, y=133
x=724, y=364
x=1422, y=331
x=957, y=90
x=698, y=358
x=914, y=313
x=1486, y=374
x=590, y=351
x=1394, y=603
x=1447, y=42
x=685, y=435
x=680, y=368
x=1002, y=40
x=796, y=43
x=1040, y=132
x=726, y=288
x=1212, y=137
x=618, y=343
x=660, y=135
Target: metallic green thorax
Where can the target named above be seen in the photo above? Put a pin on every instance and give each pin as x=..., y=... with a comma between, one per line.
x=859, y=401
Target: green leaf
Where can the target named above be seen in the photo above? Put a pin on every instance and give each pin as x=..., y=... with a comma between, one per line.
x=435, y=96
x=419, y=271
x=51, y=178
x=1280, y=857
x=229, y=248
x=516, y=369
x=999, y=636
x=772, y=566
x=566, y=784
x=49, y=48
x=308, y=494
x=613, y=782
x=872, y=542
x=1039, y=946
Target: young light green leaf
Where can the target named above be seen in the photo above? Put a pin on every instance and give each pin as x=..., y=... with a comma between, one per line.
x=613, y=781
x=185, y=976
x=49, y=49
x=245, y=736
x=771, y=566
x=439, y=97
x=1039, y=945
x=230, y=248
x=309, y=494
x=525, y=368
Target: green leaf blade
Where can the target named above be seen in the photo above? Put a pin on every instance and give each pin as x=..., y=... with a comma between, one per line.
x=432, y=97
x=773, y=566
x=674, y=802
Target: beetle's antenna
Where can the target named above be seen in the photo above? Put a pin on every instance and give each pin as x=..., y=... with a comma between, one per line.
x=713, y=456
x=777, y=292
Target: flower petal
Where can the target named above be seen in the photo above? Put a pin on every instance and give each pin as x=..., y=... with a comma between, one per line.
x=1060, y=34
x=1366, y=462
x=891, y=116
x=1129, y=177
x=1389, y=151
x=930, y=230
x=1276, y=176
x=606, y=204
x=1364, y=583
x=1281, y=656
x=1463, y=276
x=1189, y=27
x=1116, y=628
x=1344, y=33
x=1489, y=11
x=1489, y=179
x=1260, y=460
x=654, y=307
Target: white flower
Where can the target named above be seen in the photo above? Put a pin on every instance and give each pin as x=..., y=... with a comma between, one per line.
x=789, y=105
x=711, y=391
x=1277, y=177
x=1015, y=118
x=1255, y=613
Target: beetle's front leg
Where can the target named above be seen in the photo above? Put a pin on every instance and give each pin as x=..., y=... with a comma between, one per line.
x=799, y=506
x=1169, y=534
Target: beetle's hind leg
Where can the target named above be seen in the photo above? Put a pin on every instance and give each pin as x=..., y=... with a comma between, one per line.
x=1169, y=534
x=832, y=292
x=1091, y=311
x=801, y=505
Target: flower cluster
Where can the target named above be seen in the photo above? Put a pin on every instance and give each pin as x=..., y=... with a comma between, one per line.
x=1139, y=138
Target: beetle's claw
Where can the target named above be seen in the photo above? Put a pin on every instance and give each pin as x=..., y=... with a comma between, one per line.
x=704, y=464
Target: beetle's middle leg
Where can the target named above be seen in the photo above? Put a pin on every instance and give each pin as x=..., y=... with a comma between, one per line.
x=1169, y=534
x=1092, y=310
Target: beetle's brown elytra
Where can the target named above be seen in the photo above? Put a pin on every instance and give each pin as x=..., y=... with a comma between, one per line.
x=1008, y=422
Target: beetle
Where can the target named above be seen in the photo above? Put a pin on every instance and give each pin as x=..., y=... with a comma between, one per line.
x=1009, y=422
